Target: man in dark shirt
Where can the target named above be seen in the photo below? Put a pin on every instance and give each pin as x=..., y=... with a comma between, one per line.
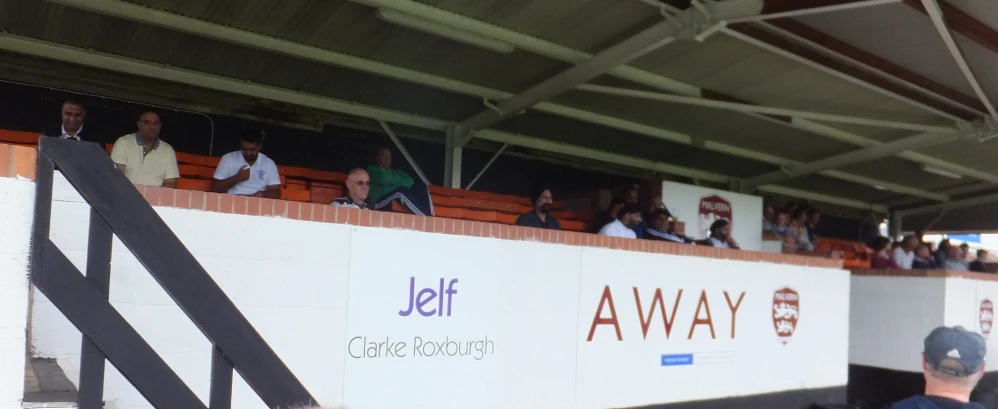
x=73, y=114
x=606, y=216
x=953, y=363
x=540, y=217
x=978, y=264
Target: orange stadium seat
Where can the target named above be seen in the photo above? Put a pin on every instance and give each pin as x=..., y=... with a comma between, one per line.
x=200, y=185
x=296, y=195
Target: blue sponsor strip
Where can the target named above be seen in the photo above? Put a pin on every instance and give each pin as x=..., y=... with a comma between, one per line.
x=677, y=359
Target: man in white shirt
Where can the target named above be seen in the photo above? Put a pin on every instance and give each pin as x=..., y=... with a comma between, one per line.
x=628, y=217
x=904, y=254
x=248, y=172
x=358, y=187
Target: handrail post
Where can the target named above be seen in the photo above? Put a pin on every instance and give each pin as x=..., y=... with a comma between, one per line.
x=92, y=359
x=221, y=381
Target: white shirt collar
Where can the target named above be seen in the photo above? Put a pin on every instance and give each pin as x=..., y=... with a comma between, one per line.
x=66, y=135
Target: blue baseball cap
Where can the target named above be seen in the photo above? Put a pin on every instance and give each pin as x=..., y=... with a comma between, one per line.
x=955, y=344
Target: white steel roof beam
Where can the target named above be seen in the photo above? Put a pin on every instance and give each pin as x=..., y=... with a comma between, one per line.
x=739, y=107
x=114, y=63
x=936, y=14
x=850, y=158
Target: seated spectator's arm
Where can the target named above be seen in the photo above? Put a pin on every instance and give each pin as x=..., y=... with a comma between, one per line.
x=271, y=192
x=172, y=174
x=118, y=155
x=405, y=179
x=226, y=175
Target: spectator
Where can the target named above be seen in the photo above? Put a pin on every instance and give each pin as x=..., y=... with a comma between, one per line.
x=540, y=217
x=964, y=251
x=144, y=158
x=389, y=184
x=798, y=229
x=631, y=194
x=953, y=361
x=978, y=264
x=654, y=205
x=782, y=229
x=923, y=259
x=607, y=216
x=628, y=217
x=247, y=172
x=882, y=257
x=813, y=218
x=941, y=251
x=73, y=114
x=904, y=253
x=791, y=206
x=953, y=260
x=663, y=228
x=358, y=186
x=720, y=235
x=768, y=215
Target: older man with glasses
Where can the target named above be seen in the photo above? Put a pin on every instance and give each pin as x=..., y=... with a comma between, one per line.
x=358, y=186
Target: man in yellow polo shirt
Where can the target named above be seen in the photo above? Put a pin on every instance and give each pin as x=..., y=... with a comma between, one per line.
x=144, y=158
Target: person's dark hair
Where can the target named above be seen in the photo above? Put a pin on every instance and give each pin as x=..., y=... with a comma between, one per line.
x=75, y=101
x=253, y=136
x=943, y=245
x=906, y=238
x=616, y=201
x=981, y=252
x=800, y=211
x=628, y=189
x=781, y=210
x=629, y=208
x=660, y=212
x=879, y=243
x=149, y=111
x=718, y=225
x=964, y=246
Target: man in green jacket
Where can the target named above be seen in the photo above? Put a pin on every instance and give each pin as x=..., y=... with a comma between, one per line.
x=389, y=184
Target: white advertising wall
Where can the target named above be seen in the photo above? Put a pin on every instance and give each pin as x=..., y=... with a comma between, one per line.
x=391, y=319
x=698, y=207
x=17, y=210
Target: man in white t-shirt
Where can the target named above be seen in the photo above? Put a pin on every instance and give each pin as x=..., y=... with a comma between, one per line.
x=904, y=254
x=248, y=172
x=628, y=217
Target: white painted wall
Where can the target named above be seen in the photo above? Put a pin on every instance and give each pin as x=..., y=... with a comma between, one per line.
x=527, y=308
x=683, y=201
x=891, y=316
x=17, y=208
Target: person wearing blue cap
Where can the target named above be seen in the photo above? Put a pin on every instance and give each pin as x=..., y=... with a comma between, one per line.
x=953, y=361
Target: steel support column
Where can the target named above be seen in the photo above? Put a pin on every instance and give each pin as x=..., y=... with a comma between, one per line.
x=452, y=159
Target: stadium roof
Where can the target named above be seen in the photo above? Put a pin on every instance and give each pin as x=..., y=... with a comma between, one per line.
x=842, y=101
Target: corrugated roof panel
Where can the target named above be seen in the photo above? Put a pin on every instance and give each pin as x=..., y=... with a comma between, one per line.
x=728, y=65
x=611, y=140
x=902, y=172
x=350, y=28
x=711, y=124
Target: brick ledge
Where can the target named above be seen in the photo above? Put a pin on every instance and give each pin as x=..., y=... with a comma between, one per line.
x=924, y=273
x=255, y=206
